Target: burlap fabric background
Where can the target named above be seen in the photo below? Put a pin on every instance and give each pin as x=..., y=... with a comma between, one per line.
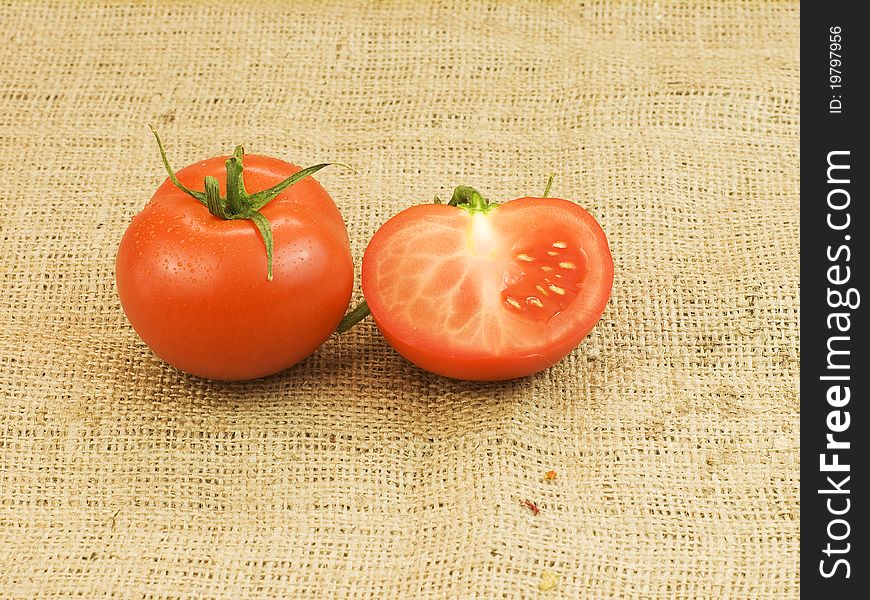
x=673, y=428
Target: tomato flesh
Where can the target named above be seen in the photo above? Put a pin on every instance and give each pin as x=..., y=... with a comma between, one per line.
x=488, y=296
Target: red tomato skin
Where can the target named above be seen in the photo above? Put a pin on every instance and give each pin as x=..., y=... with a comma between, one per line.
x=478, y=369
x=194, y=286
x=434, y=351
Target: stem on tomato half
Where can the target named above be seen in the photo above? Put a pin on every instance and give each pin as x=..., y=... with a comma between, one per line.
x=549, y=185
x=359, y=312
x=238, y=203
x=469, y=199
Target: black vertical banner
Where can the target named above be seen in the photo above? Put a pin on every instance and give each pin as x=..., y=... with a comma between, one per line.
x=834, y=355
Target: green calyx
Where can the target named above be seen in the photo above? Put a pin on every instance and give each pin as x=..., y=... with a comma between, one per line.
x=238, y=203
x=469, y=199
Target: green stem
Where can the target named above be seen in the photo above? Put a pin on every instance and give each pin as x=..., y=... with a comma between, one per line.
x=549, y=185
x=261, y=199
x=469, y=199
x=235, y=187
x=213, y=196
x=359, y=312
x=265, y=230
x=238, y=203
x=198, y=196
x=239, y=153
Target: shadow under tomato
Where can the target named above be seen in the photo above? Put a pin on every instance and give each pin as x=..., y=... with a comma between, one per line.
x=353, y=379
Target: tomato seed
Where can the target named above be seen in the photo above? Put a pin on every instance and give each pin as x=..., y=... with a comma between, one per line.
x=513, y=302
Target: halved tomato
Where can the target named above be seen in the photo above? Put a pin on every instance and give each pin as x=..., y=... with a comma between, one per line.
x=481, y=291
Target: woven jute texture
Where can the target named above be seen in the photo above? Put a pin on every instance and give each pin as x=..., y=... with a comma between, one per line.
x=673, y=428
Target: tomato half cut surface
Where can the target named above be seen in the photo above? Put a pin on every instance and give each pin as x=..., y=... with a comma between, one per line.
x=488, y=295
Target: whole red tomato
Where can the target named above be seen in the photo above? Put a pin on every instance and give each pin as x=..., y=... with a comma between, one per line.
x=235, y=285
x=483, y=291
